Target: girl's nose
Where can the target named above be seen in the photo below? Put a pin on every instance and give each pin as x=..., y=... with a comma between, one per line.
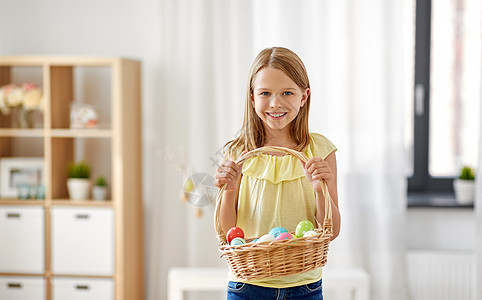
x=276, y=101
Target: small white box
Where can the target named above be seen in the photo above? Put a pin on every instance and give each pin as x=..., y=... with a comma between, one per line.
x=22, y=288
x=22, y=242
x=82, y=241
x=82, y=289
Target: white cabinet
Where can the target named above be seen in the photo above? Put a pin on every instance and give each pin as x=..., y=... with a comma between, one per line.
x=82, y=240
x=82, y=289
x=22, y=288
x=22, y=247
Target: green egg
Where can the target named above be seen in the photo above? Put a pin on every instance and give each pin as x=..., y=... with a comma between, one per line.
x=303, y=227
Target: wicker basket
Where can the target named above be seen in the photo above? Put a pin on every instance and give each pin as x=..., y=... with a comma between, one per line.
x=276, y=258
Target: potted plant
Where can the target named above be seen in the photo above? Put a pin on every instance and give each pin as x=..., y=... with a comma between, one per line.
x=99, y=191
x=464, y=186
x=78, y=183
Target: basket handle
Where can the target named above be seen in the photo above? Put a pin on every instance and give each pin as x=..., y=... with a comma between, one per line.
x=327, y=222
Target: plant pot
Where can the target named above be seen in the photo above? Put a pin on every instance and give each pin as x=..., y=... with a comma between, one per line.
x=464, y=191
x=78, y=188
x=99, y=193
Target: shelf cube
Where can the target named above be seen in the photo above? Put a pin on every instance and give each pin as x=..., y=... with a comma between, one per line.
x=22, y=234
x=82, y=241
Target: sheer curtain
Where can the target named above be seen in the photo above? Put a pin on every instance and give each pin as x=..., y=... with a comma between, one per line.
x=478, y=218
x=352, y=50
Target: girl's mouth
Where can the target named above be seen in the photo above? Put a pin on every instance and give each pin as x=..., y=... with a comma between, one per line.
x=276, y=115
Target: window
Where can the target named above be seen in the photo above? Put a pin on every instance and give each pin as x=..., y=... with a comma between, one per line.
x=442, y=130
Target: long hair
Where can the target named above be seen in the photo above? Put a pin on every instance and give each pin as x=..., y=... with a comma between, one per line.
x=252, y=133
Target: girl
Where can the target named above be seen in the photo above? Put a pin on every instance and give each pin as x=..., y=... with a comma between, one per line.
x=272, y=190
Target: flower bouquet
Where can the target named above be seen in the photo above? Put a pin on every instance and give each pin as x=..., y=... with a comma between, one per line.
x=22, y=101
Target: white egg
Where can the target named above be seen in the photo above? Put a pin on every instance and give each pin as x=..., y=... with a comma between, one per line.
x=309, y=233
x=266, y=238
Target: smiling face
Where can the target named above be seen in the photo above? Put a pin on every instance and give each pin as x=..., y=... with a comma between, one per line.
x=277, y=100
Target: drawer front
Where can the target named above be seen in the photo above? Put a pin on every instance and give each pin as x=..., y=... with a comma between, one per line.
x=22, y=288
x=82, y=289
x=82, y=241
x=22, y=233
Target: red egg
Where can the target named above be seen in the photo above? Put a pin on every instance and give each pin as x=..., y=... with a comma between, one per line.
x=233, y=233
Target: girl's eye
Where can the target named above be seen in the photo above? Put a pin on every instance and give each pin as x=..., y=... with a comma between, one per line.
x=264, y=94
x=287, y=93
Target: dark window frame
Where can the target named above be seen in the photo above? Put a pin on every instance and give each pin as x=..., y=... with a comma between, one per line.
x=421, y=181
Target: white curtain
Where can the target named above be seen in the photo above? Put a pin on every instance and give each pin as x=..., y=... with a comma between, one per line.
x=478, y=216
x=352, y=50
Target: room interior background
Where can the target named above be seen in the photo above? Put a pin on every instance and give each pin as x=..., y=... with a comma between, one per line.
x=196, y=56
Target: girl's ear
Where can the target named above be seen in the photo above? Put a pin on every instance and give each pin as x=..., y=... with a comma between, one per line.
x=304, y=96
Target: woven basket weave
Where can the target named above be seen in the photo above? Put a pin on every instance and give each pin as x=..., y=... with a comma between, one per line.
x=276, y=258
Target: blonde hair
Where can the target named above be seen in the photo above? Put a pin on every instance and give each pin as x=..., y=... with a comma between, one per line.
x=253, y=134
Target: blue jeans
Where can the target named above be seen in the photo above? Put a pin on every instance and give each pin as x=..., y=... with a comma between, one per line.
x=245, y=291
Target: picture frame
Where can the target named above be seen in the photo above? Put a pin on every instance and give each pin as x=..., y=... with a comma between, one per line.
x=15, y=171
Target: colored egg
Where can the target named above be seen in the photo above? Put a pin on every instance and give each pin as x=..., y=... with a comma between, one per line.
x=234, y=232
x=266, y=238
x=309, y=233
x=237, y=241
x=254, y=241
x=284, y=236
x=277, y=230
x=303, y=227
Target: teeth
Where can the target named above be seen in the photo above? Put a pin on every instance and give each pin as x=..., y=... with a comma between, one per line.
x=276, y=115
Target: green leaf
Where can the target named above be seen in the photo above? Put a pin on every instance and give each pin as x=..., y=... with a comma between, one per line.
x=79, y=170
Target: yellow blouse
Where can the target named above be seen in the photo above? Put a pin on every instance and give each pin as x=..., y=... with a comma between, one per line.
x=275, y=192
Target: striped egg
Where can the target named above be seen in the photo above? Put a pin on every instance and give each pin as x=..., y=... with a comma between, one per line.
x=237, y=241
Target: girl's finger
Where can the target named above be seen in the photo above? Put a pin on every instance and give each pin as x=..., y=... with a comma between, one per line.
x=314, y=160
x=223, y=176
x=322, y=176
x=227, y=172
x=228, y=167
x=319, y=169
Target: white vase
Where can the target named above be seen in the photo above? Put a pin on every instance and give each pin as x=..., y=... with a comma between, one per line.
x=464, y=191
x=99, y=193
x=78, y=188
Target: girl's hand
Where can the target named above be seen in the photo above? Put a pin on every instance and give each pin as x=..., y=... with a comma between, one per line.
x=228, y=172
x=318, y=169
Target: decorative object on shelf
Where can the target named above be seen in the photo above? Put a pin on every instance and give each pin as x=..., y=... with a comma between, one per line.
x=25, y=104
x=40, y=192
x=99, y=190
x=16, y=171
x=30, y=191
x=464, y=186
x=83, y=115
x=24, y=191
x=78, y=183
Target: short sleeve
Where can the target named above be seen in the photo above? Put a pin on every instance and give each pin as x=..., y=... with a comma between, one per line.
x=320, y=146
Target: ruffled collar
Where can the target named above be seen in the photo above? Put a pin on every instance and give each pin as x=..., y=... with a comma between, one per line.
x=280, y=168
x=273, y=168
